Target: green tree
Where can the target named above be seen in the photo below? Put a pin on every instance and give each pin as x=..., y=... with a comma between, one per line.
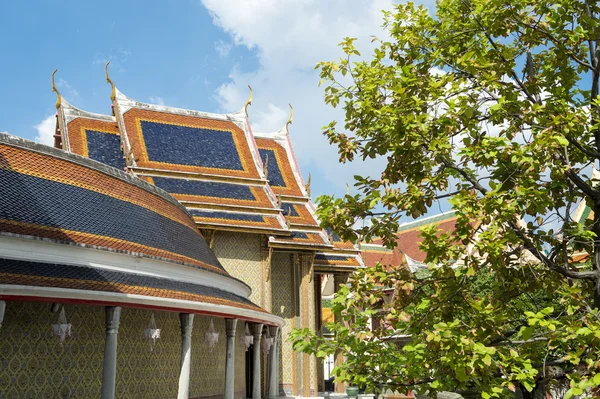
x=493, y=106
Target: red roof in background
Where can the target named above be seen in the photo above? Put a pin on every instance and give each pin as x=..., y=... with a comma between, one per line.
x=407, y=242
x=373, y=255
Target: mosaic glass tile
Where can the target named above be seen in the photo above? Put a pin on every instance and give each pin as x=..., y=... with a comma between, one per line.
x=176, y=144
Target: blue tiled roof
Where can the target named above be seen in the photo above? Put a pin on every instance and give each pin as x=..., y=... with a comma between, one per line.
x=204, y=188
x=85, y=273
x=299, y=234
x=185, y=145
x=275, y=176
x=288, y=207
x=106, y=148
x=34, y=200
x=334, y=236
x=226, y=215
x=320, y=256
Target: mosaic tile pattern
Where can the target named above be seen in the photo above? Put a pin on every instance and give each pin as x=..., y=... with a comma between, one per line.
x=281, y=176
x=239, y=253
x=97, y=140
x=44, y=196
x=283, y=306
x=299, y=237
x=88, y=278
x=106, y=148
x=246, y=217
x=202, y=188
x=219, y=193
x=175, y=142
x=207, y=375
x=298, y=214
x=33, y=364
x=189, y=145
x=327, y=259
x=142, y=373
x=237, y=220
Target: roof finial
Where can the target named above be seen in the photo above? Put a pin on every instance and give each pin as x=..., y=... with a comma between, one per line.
x=55, y=90
x=308, y=185
x=113, y=94
x=249, y=101
x=289, y=122
x=266, y=168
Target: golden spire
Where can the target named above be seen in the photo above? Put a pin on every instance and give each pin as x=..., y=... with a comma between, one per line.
x=55, y=90
x=308, y=185
x=289, y=122
x=113, y=94
x=249, y=101
x=266, y=168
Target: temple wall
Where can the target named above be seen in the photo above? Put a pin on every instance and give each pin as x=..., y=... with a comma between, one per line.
x=283, y=306
x=240, y=255
x=33, y=363
x=142, y=373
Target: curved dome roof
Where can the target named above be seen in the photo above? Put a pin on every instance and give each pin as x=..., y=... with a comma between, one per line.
x=68, y=223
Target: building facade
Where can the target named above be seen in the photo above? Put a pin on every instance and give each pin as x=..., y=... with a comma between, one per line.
x=183, y=233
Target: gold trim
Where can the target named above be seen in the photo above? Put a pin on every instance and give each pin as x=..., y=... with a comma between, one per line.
x=113, y=94
x=308, y=185
x=55, y=90
x=252, y=230
x=145, y=171
x=289, y=122
x=248, y=102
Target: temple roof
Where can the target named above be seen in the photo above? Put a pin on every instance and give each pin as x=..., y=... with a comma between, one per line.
x=209, y=162
x=408, y=240
x=76, y=229
x=90, y=135
x=68, y=199
x=343, y=255
x=283, y=173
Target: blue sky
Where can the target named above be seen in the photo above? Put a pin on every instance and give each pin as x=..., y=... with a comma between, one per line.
x=192, y=54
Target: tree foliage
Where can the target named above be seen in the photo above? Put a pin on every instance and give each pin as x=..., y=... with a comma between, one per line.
x=493, y=106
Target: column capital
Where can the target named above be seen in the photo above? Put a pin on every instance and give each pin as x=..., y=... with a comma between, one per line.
x=113, y=315
x=230, y=327
x=257, y=330
x=186, y=323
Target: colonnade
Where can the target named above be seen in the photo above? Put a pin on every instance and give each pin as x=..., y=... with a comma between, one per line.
x=109, y=371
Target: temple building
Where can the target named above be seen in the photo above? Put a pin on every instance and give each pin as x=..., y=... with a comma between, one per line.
x=159, y=252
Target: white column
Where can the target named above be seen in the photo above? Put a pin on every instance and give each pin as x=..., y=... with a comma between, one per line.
x=109, y=370
x=257, y=332
x=274, y=364
x=186, y=323
x=230, y=327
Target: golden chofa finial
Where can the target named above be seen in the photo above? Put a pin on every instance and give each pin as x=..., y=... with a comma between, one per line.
x=249, y=101
x=55, y=90
x=308, y=185
x=289, y=122
x=113, y=94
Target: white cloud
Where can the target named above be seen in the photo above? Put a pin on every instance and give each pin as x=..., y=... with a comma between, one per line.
x=46, y=129
x=223, y=48
x=289, y=38
x=67, y=90
x=117, y=57
x=156, y=100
